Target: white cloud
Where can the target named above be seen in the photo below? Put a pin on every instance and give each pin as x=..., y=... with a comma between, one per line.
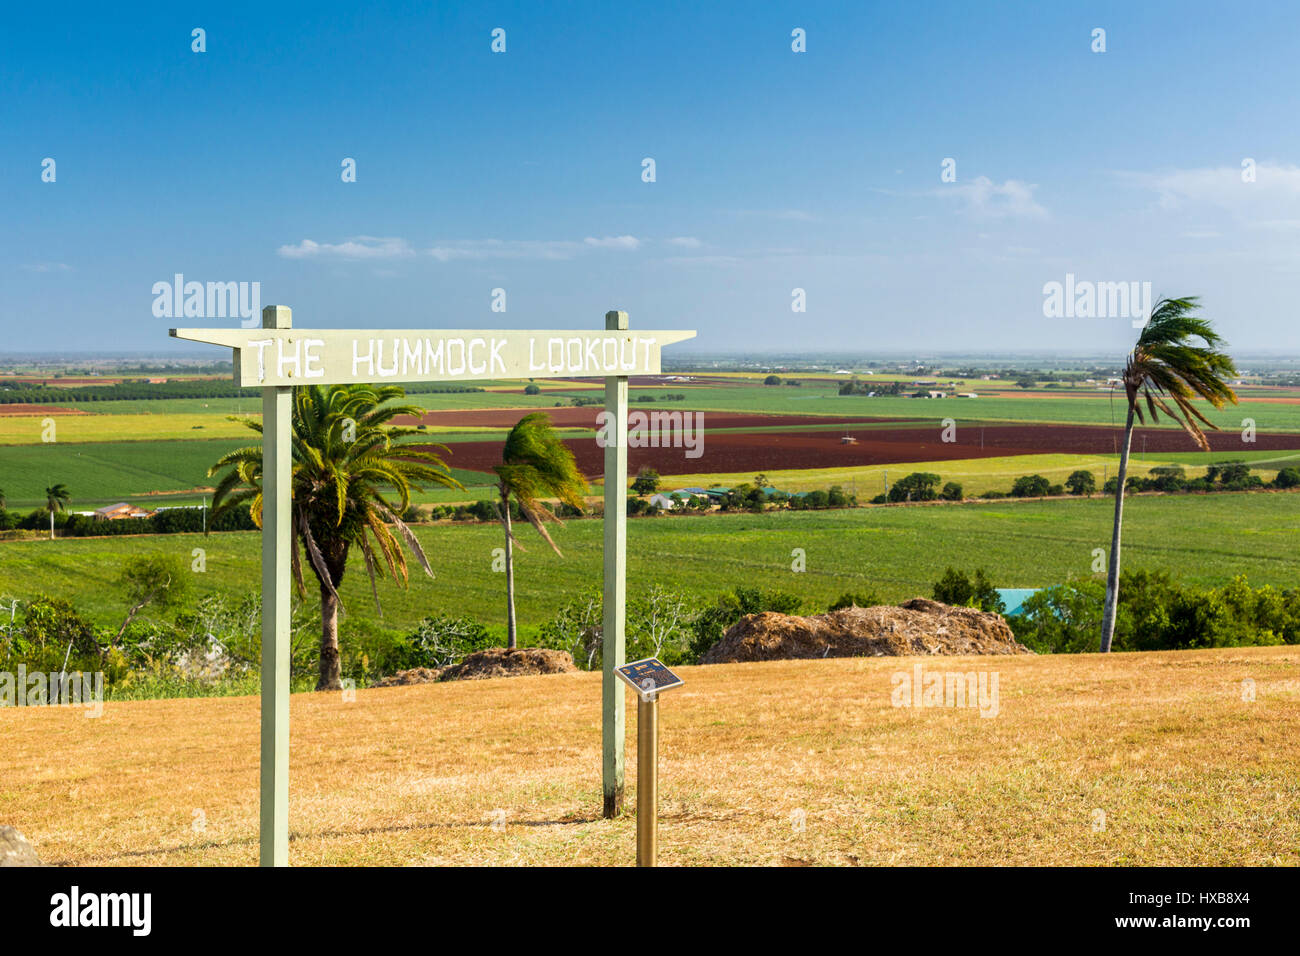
x=476, y=249
x=358, y=247
x=614, y=242
x=449, y=250
x=985, y=199
x=789, y=215
x=703, y=260
x=1276, y=189
x=685, y=242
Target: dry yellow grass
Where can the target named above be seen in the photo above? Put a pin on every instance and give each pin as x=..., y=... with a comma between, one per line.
x=1185, y=770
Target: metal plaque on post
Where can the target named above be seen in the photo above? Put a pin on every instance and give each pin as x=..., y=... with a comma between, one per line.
x=648, y=677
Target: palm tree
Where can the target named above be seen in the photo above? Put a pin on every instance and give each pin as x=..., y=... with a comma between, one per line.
x=1165, y=365
x=56, y=497
x=345, y=456
x=534, y=463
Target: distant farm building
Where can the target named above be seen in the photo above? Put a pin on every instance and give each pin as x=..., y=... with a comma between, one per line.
x=120, y=510
x=1014, y=599
x=715, y=494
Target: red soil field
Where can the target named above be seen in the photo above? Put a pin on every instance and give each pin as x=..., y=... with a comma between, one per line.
x=585, y=417
x=19, y=408
x=769, y=451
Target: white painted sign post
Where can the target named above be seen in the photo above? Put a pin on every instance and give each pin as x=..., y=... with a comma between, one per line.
x=277, y=357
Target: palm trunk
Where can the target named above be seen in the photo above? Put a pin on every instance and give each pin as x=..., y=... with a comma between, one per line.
x=51, y=525
x=331, y=671
x=1112, y=571
x=510, y=572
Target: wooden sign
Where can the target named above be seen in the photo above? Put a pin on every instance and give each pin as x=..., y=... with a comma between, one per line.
x=278, y=357
x=649, y=676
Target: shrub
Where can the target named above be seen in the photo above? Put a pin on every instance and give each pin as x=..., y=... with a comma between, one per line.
x=577, y=627
x=639, y=506
x=443, y=640
x=1081, y=483
x=50, y=626
x=1031, y=486
x=160, y=580
x=1167, y=478
x=647, y=482
x=918, y=486
x=957, y=589
x=1062, y=619
x=1228, y=473
x=817, y=499
x=855, y=599
x=952, y=491
x=659, y=624
x=1287, y=478
x=1156, y=613
x=744, y=497
x=532, y=389
x=708, y=626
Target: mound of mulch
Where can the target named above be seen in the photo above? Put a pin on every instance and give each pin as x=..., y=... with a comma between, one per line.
x=522, y=661
x=416, y=675
x=918, y=626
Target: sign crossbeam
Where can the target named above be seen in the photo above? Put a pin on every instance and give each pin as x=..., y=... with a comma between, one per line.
x=277, y=357
x=270, y=357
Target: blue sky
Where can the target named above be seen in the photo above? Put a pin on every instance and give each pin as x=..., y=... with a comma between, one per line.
x=775, y=170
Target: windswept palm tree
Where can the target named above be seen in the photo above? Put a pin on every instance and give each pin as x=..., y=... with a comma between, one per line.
x=1164, y=367
x=534, y=464
x=56, y=499
x=346, y=457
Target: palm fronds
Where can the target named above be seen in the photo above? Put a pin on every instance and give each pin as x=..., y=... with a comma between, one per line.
x=353, y=476
x=536, y=464
x=1165, y=367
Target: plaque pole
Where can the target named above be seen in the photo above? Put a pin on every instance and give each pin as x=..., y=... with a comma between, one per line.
x=277, y=477
x=647, y=779
x=613, y=648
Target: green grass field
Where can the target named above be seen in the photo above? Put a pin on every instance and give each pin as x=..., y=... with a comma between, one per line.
x=147, y=473
x=1088, y=409
x=898, y=552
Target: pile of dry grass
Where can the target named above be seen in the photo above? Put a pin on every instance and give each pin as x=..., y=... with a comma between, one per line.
x=416, y=675
x=918, y=626
x=519, y=662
